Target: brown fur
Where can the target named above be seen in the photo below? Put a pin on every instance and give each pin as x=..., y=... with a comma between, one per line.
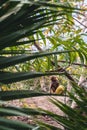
x=54, y=84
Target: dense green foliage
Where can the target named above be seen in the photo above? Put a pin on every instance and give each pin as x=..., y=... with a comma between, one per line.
x=40, y=24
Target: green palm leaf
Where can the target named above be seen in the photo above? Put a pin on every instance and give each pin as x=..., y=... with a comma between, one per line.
x=9, y=61
x=20, y=21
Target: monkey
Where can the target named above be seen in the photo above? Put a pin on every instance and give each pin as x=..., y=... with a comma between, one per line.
x=54, y=84
x=55, y=87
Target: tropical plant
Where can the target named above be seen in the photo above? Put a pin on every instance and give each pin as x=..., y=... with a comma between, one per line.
x=74, y=118
x=22, y=23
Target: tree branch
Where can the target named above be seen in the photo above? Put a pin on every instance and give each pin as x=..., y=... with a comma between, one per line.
x=73, y=63
x=60, y=69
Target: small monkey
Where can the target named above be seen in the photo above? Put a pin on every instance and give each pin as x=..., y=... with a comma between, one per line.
x=55, y=87
x=54, y=84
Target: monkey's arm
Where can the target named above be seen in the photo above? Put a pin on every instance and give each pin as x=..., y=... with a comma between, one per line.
x=51, y=91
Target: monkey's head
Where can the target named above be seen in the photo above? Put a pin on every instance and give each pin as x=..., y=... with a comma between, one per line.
x=53, y=78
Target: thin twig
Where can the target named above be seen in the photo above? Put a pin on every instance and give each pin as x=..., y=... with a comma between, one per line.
x=80, y=23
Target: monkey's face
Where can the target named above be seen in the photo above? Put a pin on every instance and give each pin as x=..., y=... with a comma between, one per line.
x=53, y=78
